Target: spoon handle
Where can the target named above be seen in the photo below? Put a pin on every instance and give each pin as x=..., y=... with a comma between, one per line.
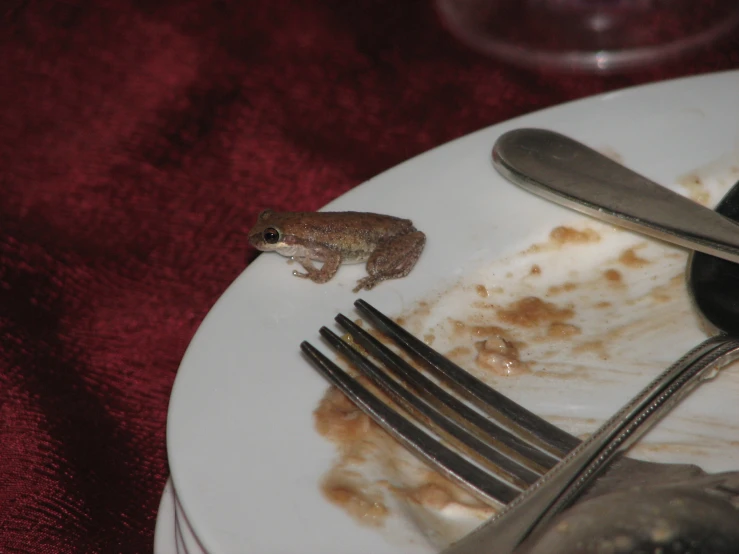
x=569, y=173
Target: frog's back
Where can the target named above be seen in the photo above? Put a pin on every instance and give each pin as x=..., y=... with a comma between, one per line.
x=328, y=226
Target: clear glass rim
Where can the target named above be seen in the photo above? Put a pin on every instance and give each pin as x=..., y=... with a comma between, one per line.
x=603, y=61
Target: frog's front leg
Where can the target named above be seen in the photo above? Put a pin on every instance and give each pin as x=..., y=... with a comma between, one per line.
x=392, y=259
x=331, y=262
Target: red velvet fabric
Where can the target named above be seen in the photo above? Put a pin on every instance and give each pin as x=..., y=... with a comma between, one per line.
x=138, y=141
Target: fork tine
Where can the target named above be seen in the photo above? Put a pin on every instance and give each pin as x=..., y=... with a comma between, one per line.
x=508, y=469
x=502, y=409
x=491, y=433
x=485, y=486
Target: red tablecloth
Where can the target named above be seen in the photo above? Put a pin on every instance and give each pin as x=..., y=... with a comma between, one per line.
x=138, y=141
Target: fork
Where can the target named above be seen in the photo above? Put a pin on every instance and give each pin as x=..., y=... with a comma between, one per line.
x=501, y=452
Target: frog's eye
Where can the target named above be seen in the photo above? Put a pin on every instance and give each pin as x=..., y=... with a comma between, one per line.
x=271, y=235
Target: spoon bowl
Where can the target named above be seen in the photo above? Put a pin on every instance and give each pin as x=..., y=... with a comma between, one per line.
x=573, y=175
x=714, y=282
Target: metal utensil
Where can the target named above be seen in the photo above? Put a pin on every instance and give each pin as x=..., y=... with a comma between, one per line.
x=576, y=176
x=643, y=512
x=524, y=520
x=490, y=477
x=571, y=174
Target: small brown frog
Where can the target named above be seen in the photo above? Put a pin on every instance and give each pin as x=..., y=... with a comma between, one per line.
x=390, y=246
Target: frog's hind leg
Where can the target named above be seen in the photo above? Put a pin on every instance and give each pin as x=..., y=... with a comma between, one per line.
x=393, y=259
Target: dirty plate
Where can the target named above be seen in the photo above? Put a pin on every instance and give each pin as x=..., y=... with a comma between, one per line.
x=591, y=313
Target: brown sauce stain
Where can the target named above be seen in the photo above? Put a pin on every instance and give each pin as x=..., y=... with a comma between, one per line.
x=500, y=356
x=458, y=353
x=413, y=318
x=695, y=187
x=532, y=311
x=437, y=492
x=571, y=373
x=613, y=276
x=463, y=330
x=432, y=495
x=460, y=328
x=358, y=439
x=595, y=346
x=482, y=291
x=602, y=304
x=661, y=296
x=381, y=337
x=559, y=330
x=568, y=235
x=487, y=331
x=533, y=249
x=352, y=496
x=630, y=258
x=558, y=289
x=666, y=293
x=339, y=420
x=677, y=281
x=561, y=236
x=668, y=448
x=535, y=270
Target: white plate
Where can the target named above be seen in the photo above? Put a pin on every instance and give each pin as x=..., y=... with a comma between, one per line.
x=173, y=534
x=244, y=454
x=164, y=534
x=168, y=535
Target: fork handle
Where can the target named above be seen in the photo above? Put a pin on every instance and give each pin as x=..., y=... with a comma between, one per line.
x=527, y=516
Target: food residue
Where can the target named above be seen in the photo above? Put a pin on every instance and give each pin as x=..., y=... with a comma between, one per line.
x=563, y=235
x=630, y=258
x=595, y=346
x=339, y=420
x=500, y=356
x=695, y=187
x=365, y=508
x=437, y=492
x=457, y=353
x=561, y=330
x=532, y=311
x=613, y=275
x=557, y=289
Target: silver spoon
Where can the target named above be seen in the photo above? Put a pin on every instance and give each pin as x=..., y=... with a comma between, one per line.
x=571, y=174
x=549, y=164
